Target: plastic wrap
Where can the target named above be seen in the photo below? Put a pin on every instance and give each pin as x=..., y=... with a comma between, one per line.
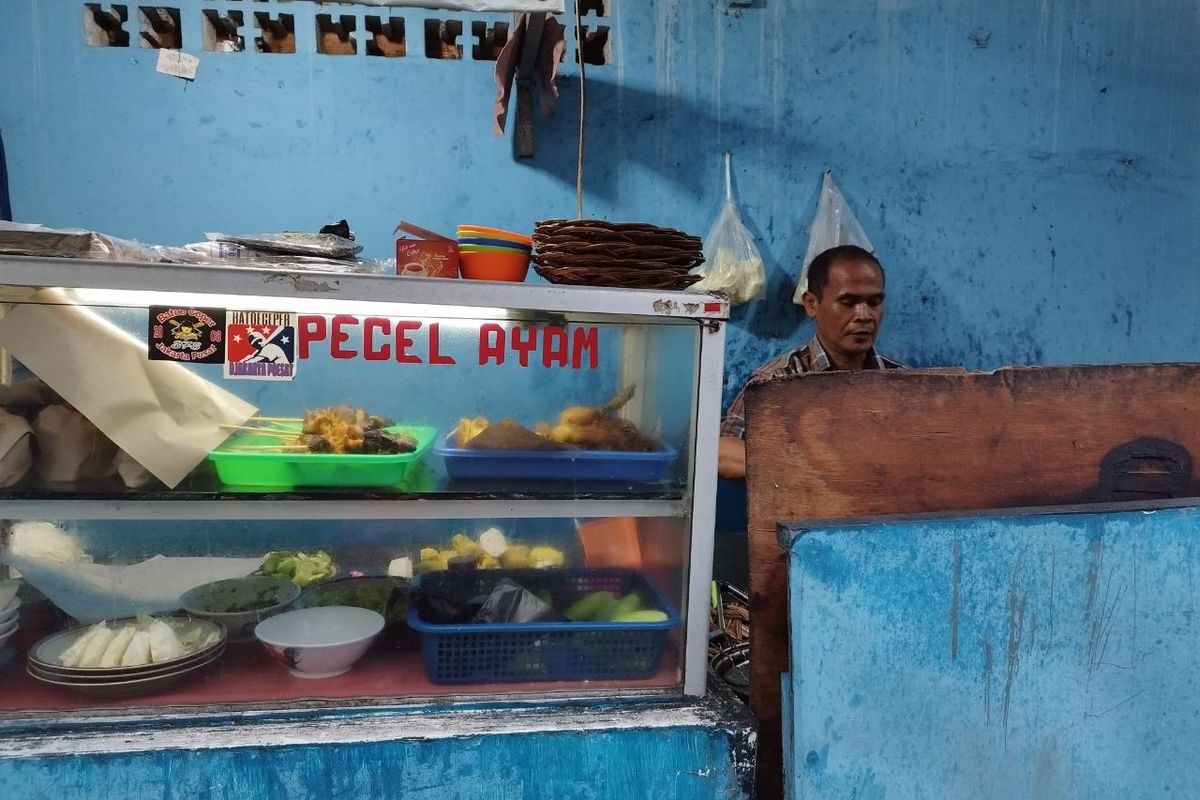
x=37, y=240
x=94, y=592
x=509, y=601
x=321, y=245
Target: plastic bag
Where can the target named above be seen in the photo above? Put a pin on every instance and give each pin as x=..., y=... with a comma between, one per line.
x=509, y=601
x=833, y=226
x=732, y=264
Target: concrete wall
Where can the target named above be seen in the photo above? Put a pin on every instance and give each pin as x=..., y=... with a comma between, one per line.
x=1027, y=170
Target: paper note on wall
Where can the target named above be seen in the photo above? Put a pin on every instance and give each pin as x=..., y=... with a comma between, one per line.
x=178, y=63
x=161, y=413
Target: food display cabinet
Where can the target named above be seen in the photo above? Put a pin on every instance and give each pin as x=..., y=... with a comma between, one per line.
x=232, y=490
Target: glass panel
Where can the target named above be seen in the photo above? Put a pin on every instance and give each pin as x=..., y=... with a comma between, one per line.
x=563, y=407
x=495, y=419
x=283, y=644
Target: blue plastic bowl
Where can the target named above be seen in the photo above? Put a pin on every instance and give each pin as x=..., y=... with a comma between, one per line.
x=497, y=243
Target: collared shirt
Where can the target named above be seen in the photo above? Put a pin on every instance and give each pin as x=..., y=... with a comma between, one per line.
x=801, y=361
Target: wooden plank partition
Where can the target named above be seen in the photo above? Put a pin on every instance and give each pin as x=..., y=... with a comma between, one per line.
x=847, y=444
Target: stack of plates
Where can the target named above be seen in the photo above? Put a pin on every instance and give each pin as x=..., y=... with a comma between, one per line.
x=629, y=254
x=44, y=664
x=9, y=620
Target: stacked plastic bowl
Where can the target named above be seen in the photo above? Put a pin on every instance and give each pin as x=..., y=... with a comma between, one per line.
x=492, y=254
x=10, y=618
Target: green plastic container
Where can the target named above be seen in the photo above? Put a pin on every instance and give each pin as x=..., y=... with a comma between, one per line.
x=285, y=470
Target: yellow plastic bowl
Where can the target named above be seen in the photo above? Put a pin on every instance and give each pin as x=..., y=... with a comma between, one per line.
x=511, y=266
x=477, y=231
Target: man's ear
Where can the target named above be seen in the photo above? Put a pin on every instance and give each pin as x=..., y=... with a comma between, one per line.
x=810, y=304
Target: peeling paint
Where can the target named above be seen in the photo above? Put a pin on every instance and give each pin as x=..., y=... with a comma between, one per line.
x=303, y=283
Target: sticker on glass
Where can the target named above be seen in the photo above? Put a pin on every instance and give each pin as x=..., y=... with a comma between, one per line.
x=261, y=345
x=180, y=333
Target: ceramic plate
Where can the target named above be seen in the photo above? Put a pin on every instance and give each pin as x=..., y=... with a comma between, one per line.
x=46, y=653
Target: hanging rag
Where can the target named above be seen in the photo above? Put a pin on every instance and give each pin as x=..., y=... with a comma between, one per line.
x=550, y=51
x=5, y=202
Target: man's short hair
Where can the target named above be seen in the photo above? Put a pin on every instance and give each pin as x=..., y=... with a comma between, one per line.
x=818, y=270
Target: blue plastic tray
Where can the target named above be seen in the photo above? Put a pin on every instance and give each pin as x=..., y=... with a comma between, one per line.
x=558, y=465
x=542, y=651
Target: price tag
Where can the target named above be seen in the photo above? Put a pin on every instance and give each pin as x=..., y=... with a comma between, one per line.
x=178, y=63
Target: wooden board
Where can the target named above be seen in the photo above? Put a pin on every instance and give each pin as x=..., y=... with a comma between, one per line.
x=850, y=444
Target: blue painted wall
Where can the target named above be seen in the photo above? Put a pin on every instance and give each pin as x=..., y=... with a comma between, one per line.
x=1029, y=170
x=701, y=751
x=1004, y=657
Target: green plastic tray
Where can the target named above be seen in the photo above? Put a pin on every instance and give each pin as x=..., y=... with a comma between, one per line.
x=285, y=470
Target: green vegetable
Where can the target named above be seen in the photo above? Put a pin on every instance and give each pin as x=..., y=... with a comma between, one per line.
x=297, y=567
x=589, y=606
x=627, y=605
x=386, y=597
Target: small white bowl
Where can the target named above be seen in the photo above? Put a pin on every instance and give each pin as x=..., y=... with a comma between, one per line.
x=320, y=642
x=7, y=628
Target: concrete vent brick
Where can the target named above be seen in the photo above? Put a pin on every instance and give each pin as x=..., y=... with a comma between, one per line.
x=276, y=34
x=601, y=8
x=441, y=39
x=490, y=40
x=161, y=28
x=334, y=36
x=597, y=47
x=387, y=38
x=223, y=34
x=105, y=27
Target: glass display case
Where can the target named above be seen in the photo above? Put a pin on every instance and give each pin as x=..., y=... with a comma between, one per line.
x=237, y=489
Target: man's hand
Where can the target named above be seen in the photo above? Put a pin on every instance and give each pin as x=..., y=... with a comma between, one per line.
x=731, y=458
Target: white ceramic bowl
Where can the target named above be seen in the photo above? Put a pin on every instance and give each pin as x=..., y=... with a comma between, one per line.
x=7, y=628
x=319, y=642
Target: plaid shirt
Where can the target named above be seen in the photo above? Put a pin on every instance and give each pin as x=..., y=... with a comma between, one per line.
x=801, y=361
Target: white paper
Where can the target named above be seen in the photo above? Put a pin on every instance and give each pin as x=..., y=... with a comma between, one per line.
x=553, y=6
x=159, y=412
x=177, y=63
x=93, y=592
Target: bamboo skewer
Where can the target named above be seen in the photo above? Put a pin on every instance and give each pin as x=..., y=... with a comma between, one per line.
x=278, y=419
x=277, y=448
x=264, y=431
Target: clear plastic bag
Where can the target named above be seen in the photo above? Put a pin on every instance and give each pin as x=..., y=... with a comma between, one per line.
x=732, y=264
x=833, y=226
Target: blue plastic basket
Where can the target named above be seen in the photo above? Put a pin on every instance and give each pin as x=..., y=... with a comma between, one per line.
x=542, y=651
x=558, y=465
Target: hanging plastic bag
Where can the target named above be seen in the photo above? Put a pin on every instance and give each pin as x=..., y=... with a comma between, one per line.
x=833, y=226
x=732, y=264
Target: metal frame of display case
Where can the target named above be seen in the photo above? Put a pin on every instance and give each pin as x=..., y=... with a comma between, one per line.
x=321, y=292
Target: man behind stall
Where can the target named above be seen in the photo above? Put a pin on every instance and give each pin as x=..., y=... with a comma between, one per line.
x=845, y=301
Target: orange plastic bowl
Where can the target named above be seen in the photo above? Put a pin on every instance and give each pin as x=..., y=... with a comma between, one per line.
x=512, y=266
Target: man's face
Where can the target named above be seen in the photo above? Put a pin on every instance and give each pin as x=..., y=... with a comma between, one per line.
x=850, y=310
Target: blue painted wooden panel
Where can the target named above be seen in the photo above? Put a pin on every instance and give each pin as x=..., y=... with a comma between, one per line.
x=685, y=752
x=1044, y=656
